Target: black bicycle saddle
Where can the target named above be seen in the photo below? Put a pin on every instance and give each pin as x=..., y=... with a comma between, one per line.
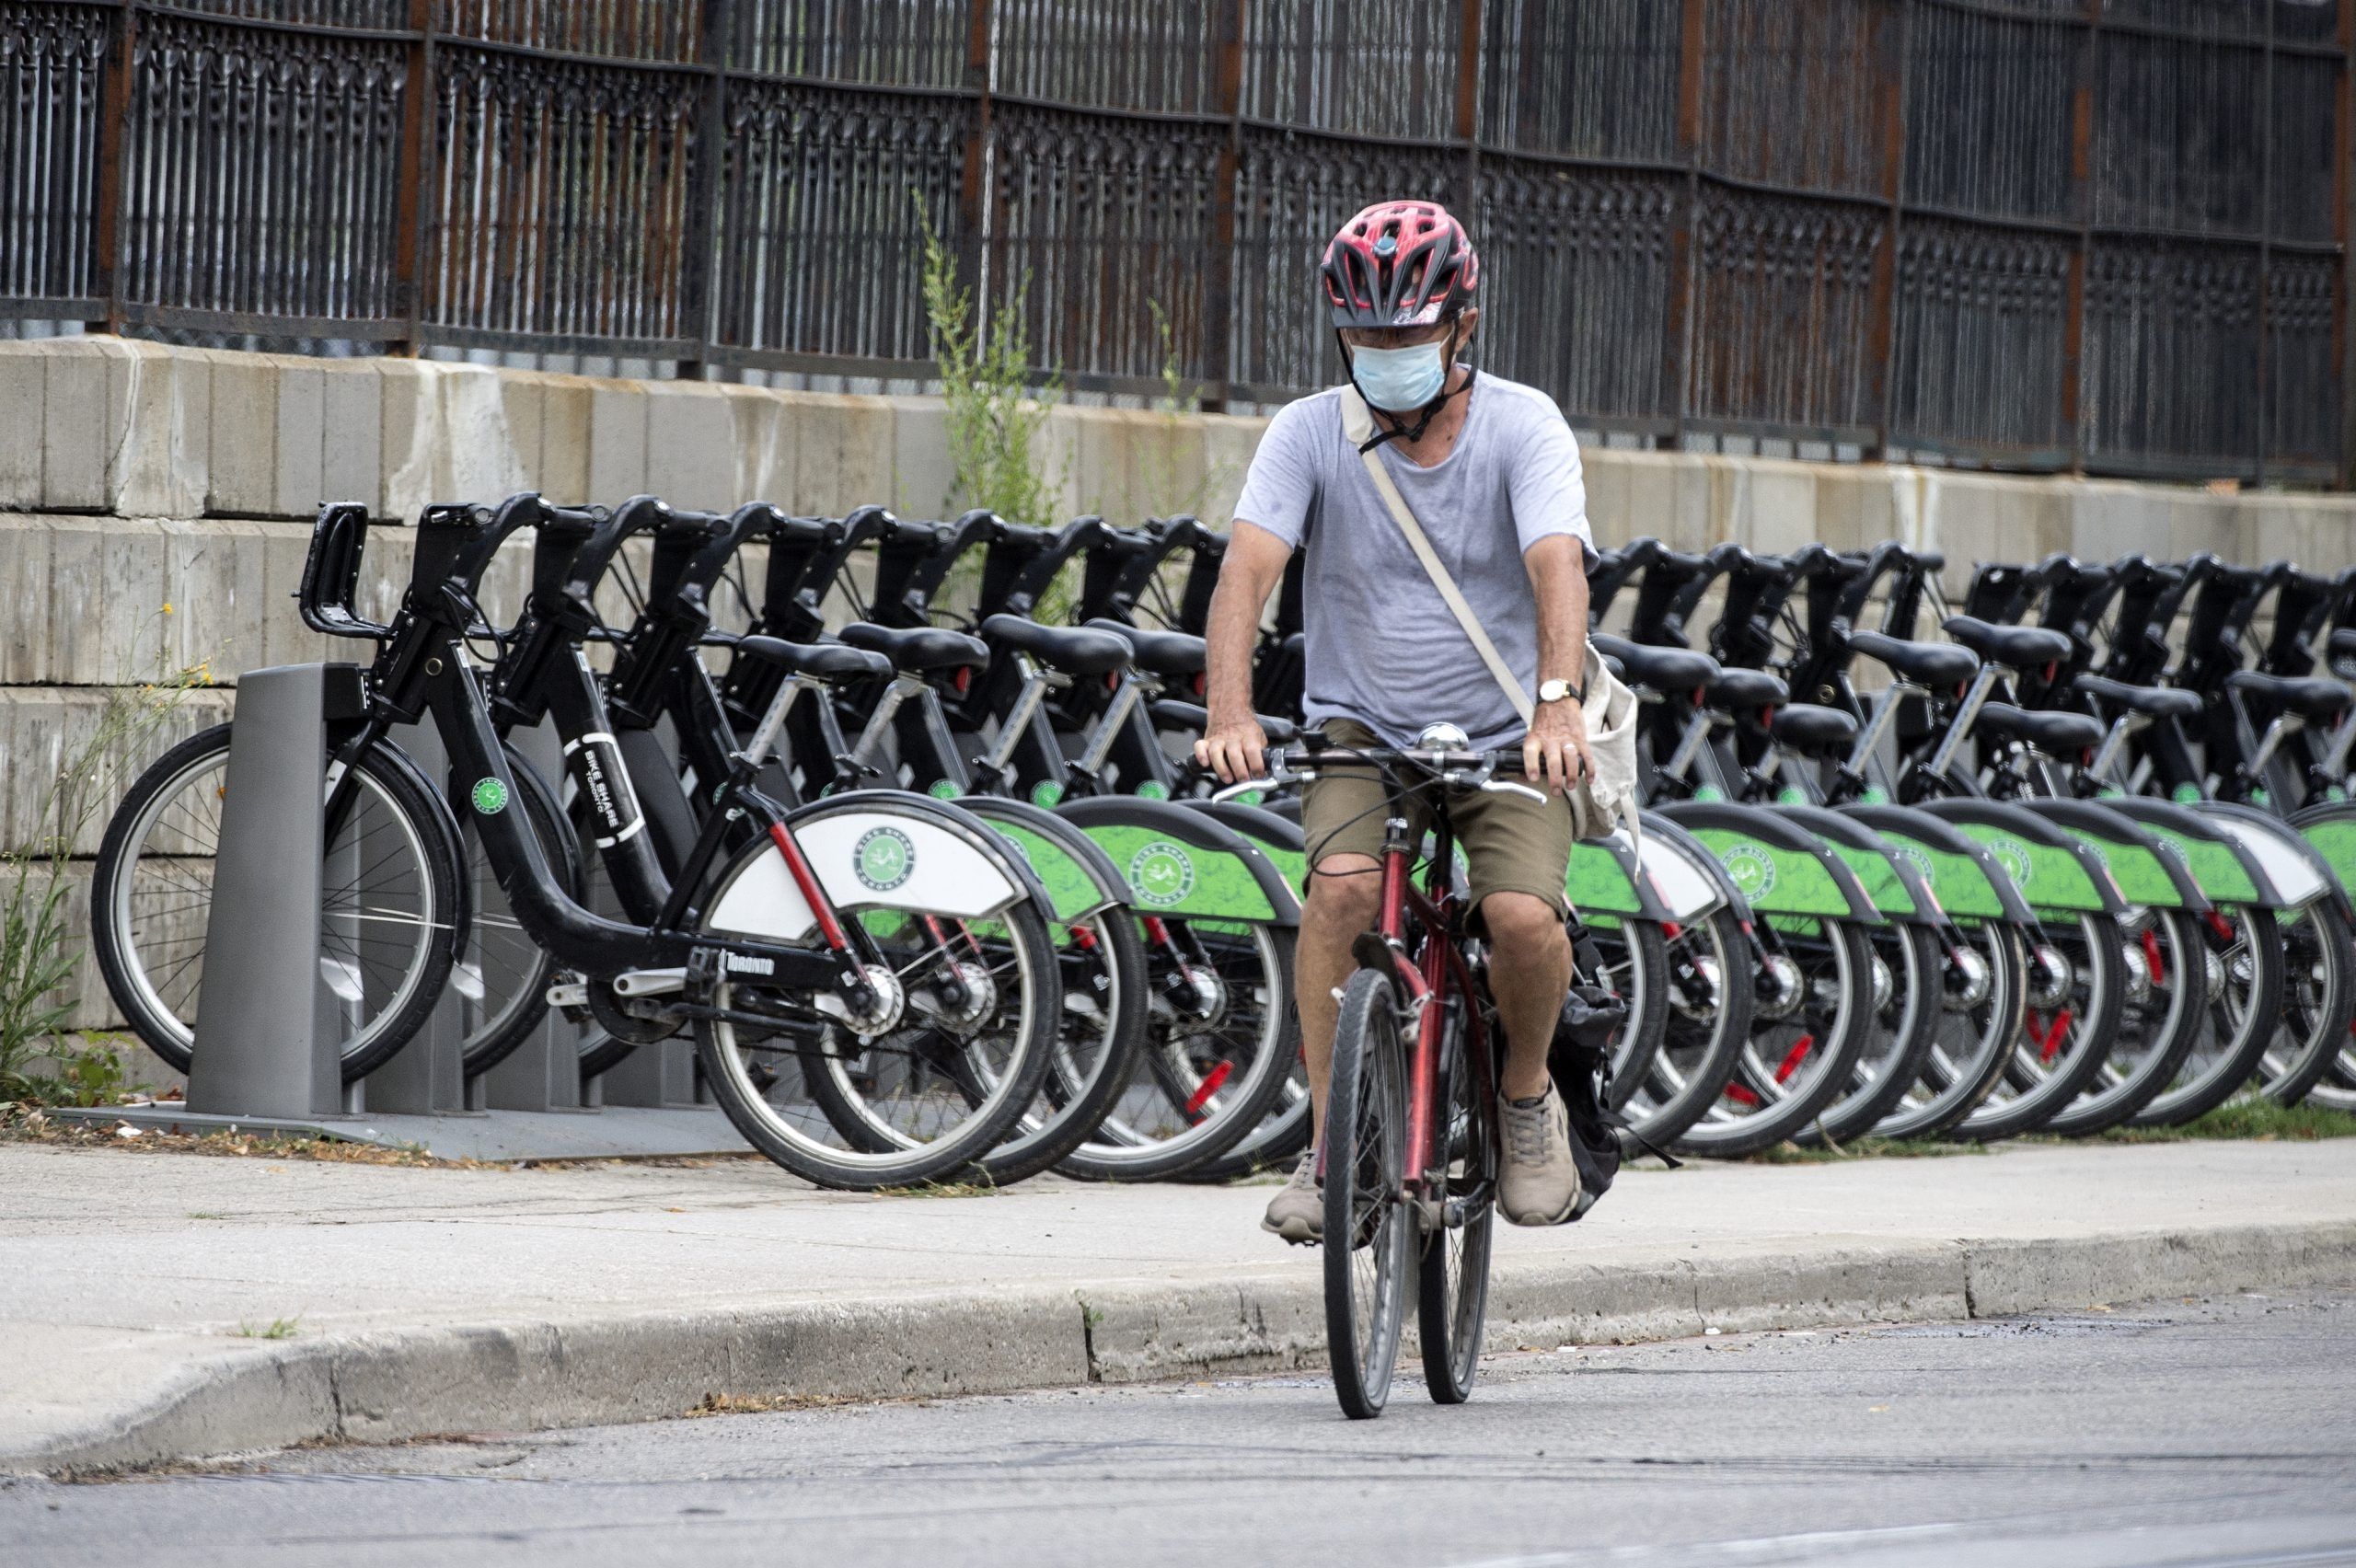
x=2014, y=647
x=2311, y=697
x=918, y=647
x=1925, y=664
x=2153, y=702
x=1670, y=671
x=823, y=661
x=1074, y=650
x=2052, y=731
x=1161, y=652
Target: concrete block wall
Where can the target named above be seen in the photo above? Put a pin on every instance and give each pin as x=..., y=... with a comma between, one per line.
x=137, y=475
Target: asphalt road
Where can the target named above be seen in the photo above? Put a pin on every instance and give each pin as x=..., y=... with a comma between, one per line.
x=2208, y=1432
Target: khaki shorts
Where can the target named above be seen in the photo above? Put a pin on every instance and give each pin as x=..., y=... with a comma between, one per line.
x=1511, y=843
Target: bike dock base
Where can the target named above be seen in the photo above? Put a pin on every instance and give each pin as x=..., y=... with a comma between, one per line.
x=617, y=1132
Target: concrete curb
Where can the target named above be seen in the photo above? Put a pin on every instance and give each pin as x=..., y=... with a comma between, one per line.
x=383, y=1387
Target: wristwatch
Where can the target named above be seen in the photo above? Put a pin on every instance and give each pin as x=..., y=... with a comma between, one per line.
x=1557, y=689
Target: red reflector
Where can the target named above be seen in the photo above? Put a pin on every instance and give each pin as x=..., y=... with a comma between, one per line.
x=964, y=679
x=1209, y=1086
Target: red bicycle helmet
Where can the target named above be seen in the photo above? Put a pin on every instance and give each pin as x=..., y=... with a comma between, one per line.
x=1400, y=264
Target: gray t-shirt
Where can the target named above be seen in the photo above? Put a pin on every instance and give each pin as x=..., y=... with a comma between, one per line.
x=1383, y=648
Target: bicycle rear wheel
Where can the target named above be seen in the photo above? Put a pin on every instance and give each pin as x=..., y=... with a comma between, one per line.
x=1981, y=1015
x=391, y=901
x=1905, y=1022
x=2249, y=993
x=2318, y=996
x=1701, y=976
x=2071, y=1016
x=1452, y=1279
x=2162, y=1013
x=1804, y=1043
x=1369, y=1230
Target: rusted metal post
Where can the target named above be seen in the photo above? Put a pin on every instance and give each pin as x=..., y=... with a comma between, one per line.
x=2341, y=173
x=2082, y=196
x=1219, y=279
x=700, y=262
x=2265, y=240
x=114, y=141
x=1467, y=108
x=410, y=222
x=973, y=191
x=1892, y=33
x=1677, y=355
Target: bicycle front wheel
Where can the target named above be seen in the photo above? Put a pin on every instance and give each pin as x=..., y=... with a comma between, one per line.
x=1452, y=1296
x=389, y=902
x=1370, y=1229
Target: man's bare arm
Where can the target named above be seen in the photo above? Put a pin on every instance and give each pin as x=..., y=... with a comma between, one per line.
x=1233, y=745
x=1557, y=745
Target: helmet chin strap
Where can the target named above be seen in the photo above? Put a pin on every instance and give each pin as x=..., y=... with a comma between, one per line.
x=1424, y=415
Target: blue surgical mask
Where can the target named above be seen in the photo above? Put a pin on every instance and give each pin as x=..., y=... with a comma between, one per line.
x=1400, y=381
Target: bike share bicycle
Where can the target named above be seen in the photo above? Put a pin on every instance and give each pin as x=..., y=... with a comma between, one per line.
x=809, y=949
x=1411, y=1150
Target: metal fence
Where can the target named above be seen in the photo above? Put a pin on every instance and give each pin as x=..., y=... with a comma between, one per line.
x=2035, y=234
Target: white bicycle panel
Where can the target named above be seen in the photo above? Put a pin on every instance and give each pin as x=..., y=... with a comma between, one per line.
x=866, y=860
x=2293, y=876
x=1689, y=892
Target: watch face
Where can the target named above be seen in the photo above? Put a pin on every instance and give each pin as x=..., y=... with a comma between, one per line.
x=1554, y=691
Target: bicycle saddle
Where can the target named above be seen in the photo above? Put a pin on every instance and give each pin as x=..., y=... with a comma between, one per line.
x=1672, y=672
x=1074, y=650
x=2341, y=644
x=1739, y=690
x=2014, y=647
x=2153, y=702
x=1925, y=664
x=1813, y=731
x=2051, y=731
x=918, y=647
x=1193, y=716
x=2312, y=696
x=821, y=660
x=1160, y=653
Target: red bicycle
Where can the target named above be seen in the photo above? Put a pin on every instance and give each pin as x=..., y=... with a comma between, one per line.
x=1410, y=1146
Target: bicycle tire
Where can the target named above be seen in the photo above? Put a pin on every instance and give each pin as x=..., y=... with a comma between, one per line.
x=1275, y=1142
x=2046, y=1078
x=2246, y=1004
x=1954, y=1082
x=1452, y=1275
x=1077, y=1093
x=1703, y=1022
x=389, y=779
x=1805, y=1073
x=2318, y=1000
x=2111, y=1095
x=1366, y=1159
x=1903, y=1028
x=874, y=1152
x=1127, y=1154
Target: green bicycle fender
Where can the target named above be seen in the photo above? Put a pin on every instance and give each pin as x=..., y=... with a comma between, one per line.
x=2331, y=826
x=1181, y=862
x=2139, y=863
x=1601, y=878
x=2052, y=870
x=1965, y=878
x=1080, y=879
x=1898, y=887
x=1278, y=840
x=1781, y=867
x=2225, y=872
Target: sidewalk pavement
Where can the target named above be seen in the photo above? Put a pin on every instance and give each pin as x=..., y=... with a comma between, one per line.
x=136, y=1290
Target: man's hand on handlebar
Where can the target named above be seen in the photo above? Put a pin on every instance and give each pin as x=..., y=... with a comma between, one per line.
x=1234, y=747
x=1555, y=748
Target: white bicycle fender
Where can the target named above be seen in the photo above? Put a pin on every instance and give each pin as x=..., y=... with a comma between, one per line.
x=865, y=860
x=2288, y=867
x=1688, y=891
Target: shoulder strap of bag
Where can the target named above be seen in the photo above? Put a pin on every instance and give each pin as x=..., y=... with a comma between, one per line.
x=1357, y=425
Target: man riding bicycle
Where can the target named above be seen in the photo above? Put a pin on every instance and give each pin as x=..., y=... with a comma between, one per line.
x=1491, y=471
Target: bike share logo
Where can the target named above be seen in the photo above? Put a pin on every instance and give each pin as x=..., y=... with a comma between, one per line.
x=2013, y=855
x=1914, y=858
x=489, y=796
x=884, y=859
x=1161, y=873
x=1752, y=868
x=748, y=963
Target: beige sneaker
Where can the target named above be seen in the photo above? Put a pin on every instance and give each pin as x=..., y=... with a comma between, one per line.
x=1539, y=1184
x=1298, y=1213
